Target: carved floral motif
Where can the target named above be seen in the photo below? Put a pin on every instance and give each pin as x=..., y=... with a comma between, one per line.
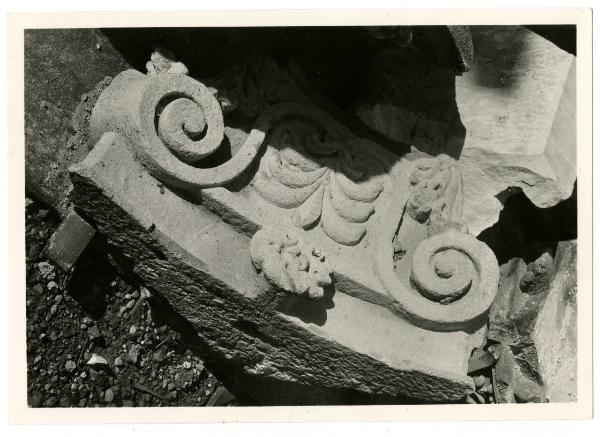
x=435, y=192
x=324, y=181
x=289, y=263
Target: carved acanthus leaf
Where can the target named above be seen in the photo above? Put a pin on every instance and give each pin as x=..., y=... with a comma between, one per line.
x=435, y=197
x=289, y=263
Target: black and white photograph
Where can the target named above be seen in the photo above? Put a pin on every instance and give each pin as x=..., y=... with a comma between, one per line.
x=304, y=215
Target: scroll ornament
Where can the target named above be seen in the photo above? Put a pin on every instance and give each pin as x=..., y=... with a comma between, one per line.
x=173, y=122
x=289, y=263
x=453, y=277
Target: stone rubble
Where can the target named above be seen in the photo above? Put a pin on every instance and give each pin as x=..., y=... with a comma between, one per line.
x=58, y=349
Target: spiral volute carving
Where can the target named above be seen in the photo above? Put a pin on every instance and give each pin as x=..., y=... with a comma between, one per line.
x=447, y=266
x=192, y=129
x=180, y=124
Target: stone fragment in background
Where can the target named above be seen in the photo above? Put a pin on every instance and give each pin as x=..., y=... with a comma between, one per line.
x=62, y=70
x=512, y=317
x=70, y=240
x=511, y=384
x=555, y=333
x=533, y=322
x=510, y=119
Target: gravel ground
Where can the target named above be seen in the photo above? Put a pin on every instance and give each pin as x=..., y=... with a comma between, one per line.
x=93, y=339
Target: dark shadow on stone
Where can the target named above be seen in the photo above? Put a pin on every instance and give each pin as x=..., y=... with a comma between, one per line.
x=526, y=231
x=192, y=46
x=309, y=310
x=498, y=55
x=222, y=155
x=331, y=65
x=411, y=100
x=164, y=314
x=334, y=61
x=563, y=36
x=205, y=51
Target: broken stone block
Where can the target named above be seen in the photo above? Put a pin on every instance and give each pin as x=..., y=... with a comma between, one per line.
x=555, y=333
x=510, y=120
x=70, y=240
x=65, y=71
x=305, y=254
x=512, y=385
x=533, y=319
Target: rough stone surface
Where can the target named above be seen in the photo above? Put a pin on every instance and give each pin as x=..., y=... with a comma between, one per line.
x=533, y=321
x=555, y=333
x=512, y=318
x=510, y=119
x=65, y=71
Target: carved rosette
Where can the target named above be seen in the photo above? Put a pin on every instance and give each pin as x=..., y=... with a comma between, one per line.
x=453, y=277
x=325, y=180
x=289, y=263
x=173, y=122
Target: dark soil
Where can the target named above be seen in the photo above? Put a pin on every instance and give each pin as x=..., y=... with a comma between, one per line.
x=95, y=311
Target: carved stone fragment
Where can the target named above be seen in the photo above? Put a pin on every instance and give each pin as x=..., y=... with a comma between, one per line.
x=269, y=191
x=314, y=173
x=289, y=263
x=202, y=265
x=162, y=61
